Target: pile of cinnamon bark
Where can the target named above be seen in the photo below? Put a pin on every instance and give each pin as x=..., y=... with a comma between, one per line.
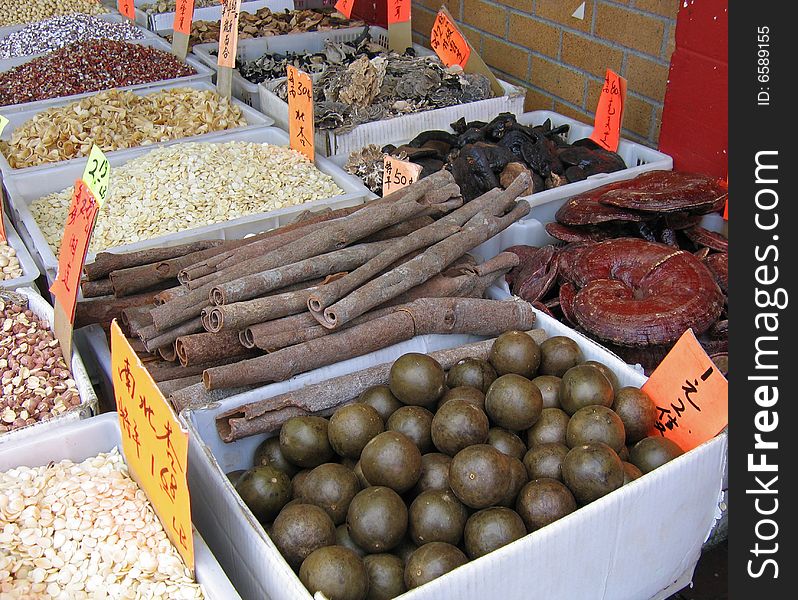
x=215, y=318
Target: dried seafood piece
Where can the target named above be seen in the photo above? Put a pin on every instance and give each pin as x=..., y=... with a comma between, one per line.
x=537, y=274
x=718, y=264
x=666, y=192
x=638, y=293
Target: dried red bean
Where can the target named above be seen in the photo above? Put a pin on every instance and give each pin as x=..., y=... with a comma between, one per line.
x=88, y=66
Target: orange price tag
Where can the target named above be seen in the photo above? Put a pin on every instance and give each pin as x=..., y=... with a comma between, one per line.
x=184, y=13
x=345, y=7
x=690, y=393
x=301, y=128
x=609, y=112
x=398, y=11
x=126, y=8
x=80, y=223
x=154, y=443
x=398, y=174
x=228, y=39
x=449, y=44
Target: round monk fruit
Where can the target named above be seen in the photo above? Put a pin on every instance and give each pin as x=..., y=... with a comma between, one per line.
x=545, y=461
x=558, y=354
x=506, y=442
x=416, y=423
x=331, y=487
x=300, y=529
x=234, y=476
x=458, y=424
x=469, y=394
x=518, y=478
x=358, y=471
x=652, y=452
x=393, y=460
x=268, y=453
x=608, y=373
x=593, y=424
x=342, y=538
x=490, y=529
x=471, y=372
x=405, y=548
x=434, y=473
x=297, y=482
x=584, y=385
x=265, y=490
x=304, y=442
x=437, y=516
x=337, y=572
x=417, y=379
x=515, y=352
x=386, y=576
x=430, y=561
x=380, y=398
x=592, y=471
x=479, y=476
x=630, y=472
x=513, y=402
x=352, y=427
x=377, y=519
x=550, y=428
x=549, y=386
x=543, y=501
x=637, y=411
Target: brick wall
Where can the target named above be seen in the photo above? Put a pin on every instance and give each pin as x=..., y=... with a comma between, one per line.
x=561, y=60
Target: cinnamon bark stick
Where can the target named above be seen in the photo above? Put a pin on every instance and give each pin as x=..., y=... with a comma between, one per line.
x=167, y=338
x=400, y=229
x=414, y=272
x=196, y=396
x=263, y=414
x=136, y=318
x=168, y=353
x=96, y=288
x=425, y=316
x=170, y=386
x=275, y=326
x=104, y=310
x=106, y=262
x=169, y=294
x=161, y=370
x=258, y=284
x=134, y=280
x=202, y=348
x=236, y=316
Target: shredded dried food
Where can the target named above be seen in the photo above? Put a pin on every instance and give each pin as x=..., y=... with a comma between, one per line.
x=162, y=6
x=14, y=12
x=35, y=383
x=117, y=119
x=88, y=66
x=85, y=530
x=57, y=32
x=189, y=185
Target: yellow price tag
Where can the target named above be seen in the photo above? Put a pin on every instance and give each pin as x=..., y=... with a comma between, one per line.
x=3, y=123
x=155, y=445
x=97, y=174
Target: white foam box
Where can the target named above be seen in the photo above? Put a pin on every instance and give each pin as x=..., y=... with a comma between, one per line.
x=80, y=441
x=18, y=118
x=641, y=541
x=161, y=23
x=308, y=42
x=88, y=398
x=24, y=189
x=30, y=273
x=203, y=73
x=8, y=63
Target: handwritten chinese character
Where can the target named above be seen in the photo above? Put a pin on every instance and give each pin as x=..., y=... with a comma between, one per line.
x=126, y=376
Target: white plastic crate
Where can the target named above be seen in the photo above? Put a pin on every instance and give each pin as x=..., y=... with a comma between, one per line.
x=80, y=441
x=203, y=73
x=88, y=398
x=311, y=42
x=662, y=518
x=30, y=273
x=8, y=63
x=17, y=118
x=161, y=23
x=24, y=189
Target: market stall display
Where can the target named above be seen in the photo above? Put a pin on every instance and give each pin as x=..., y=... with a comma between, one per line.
x=13, y=12
x=24, y=272
x=88, y=66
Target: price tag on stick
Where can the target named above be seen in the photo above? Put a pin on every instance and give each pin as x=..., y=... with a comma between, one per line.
x=301, y=127
x=609, y=112
x=181, y=27
x=127, y=8
x=155, y=444
x=400, y=29
x=97, y=174
x=345, y=7
x=398, y=174
x=453, y=48
x=690, y=393
x=228, y=46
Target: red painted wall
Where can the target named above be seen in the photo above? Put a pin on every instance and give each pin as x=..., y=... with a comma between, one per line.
x=696, y=113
